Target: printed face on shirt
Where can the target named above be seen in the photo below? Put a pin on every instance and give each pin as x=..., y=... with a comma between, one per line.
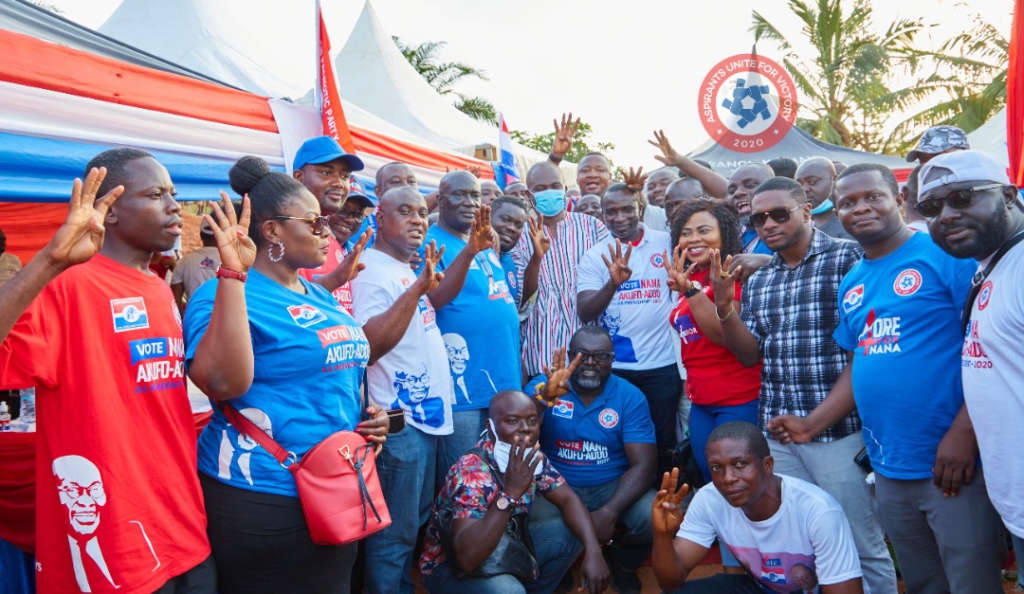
x=593, y=174
x=328, y=182
x=302, y=247
x=621, y=215
x=698, y=236
x=508, y=221
x=977, y=230
x=80, y=488
x=458, y=352
x=737, y=474
x=781, y=236
x=591, y=374
x=414, y=387
x=657, y=186
x=867, y=207
x=146, y=216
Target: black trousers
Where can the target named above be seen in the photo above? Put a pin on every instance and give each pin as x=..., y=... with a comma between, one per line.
x=662, y=387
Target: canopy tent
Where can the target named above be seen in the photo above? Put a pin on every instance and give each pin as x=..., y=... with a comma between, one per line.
x=799, y=146
x=990, y=138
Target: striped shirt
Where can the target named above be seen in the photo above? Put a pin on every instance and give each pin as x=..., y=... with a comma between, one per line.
x=553, y=320
x=793, y=312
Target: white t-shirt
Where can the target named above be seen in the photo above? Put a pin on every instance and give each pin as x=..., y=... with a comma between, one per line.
x=637, y=317
x=414, y=375
x=196, y=268
x=655, y=218
x=806, y=543
x=993, y=376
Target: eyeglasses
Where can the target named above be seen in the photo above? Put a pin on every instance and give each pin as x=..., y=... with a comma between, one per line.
x=597, y=356
x=958, y=199
x=356, y=216
x=74, y=490
x=779, y=215
x=318, y=223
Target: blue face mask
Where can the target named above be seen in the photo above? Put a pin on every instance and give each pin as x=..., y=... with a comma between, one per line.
x=550, y=202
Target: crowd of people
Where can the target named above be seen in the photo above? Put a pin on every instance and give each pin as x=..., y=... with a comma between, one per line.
x=838, y=354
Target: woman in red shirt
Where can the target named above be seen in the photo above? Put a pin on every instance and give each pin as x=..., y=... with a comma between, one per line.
x=720, y=387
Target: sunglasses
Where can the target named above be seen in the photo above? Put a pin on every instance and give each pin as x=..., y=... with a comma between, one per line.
x=354, y=215
x=779, y=215
x=317, y=223
x=958, y=199
x=597, y=356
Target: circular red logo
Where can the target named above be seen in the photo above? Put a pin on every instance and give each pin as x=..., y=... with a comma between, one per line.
x=984, y=295
x=608, y=418
x=907, y=282
x=657, y=260
x=747, y=103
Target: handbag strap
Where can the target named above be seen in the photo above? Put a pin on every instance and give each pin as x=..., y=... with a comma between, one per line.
x=981, y=275
x=250, y=430
x=364, y=493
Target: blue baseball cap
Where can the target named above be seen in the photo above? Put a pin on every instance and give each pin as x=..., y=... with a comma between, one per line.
x=324, y=149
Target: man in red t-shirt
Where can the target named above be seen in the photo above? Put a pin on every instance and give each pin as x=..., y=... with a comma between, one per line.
x=118, y=503
x=325, y=168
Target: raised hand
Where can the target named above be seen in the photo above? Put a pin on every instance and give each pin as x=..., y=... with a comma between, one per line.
x=678, y=273
x=81, y=235
x=541, y=242
x=564, y=134
x=668, y=155
x=237, y=251
x=635, y=180
x=428, y=279
x=723, y=282
x=522, y=463
x=350, y=264
x=557, y=384
x=666, y=514
x=618, y=266
x=481, y=236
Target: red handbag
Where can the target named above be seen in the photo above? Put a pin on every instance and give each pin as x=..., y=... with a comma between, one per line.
x=337, y=480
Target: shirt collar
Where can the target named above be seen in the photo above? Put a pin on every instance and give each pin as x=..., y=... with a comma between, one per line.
x=820, y=242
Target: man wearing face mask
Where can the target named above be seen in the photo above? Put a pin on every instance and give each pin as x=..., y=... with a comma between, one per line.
x=817, y=176
x=482, y=507
x=600, y=436
x=553, y=319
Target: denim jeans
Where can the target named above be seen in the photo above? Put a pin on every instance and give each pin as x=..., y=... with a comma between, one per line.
x=556, y=547
x=468, y=425
x=704, y=419
x=406, y=467
x=722, y=583
x=830, y=465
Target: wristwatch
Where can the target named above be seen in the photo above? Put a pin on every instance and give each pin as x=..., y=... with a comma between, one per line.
x=504, y=501
x=694, y=289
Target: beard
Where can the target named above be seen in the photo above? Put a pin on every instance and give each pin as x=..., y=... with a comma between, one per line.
x=987, y=239
x=587, y=383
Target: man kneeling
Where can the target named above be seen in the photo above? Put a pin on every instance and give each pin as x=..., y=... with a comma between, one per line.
x=789, y=535
x=493, y=485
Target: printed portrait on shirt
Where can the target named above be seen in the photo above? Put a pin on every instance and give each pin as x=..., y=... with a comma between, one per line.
x=413, y=391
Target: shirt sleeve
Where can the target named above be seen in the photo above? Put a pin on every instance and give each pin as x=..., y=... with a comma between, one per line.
x=549, y=480
x=843, y=335
x=177, y=274
x=601, y=232
x=369, y=298
x=835, y=555
x=197, y=318
x=698, y=526
x=748, y=318
x=471, y=489
x=637, y=426
x=591, y=274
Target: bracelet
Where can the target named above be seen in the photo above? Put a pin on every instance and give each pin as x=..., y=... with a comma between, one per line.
x=732, y=310
x=232, y=274
x=540, y=397
x=555, y=158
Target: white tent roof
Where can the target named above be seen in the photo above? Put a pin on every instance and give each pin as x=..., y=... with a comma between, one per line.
x=990, y=138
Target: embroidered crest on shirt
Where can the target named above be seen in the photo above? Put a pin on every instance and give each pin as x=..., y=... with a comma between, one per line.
x=608, y=418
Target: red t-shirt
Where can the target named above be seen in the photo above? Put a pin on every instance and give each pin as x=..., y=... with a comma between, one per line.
x=336, y=253
x=714, y=377
x=118, y=502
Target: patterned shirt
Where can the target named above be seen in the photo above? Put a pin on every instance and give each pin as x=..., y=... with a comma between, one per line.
x=793, y=313
x=554, y=319
x=472, y=489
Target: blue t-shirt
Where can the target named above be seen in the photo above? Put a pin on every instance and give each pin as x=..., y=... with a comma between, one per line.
x=749, y=235
x=900, y=315
x=310, y=356
x=480, y=327
x=588, y=444
x=511, y=278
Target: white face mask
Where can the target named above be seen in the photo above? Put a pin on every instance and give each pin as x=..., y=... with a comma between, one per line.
x=503, y=450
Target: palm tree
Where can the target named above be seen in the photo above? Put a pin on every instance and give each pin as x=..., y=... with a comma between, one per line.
x=443, y=76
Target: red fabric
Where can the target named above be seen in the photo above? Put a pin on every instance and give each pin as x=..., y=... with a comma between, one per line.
x=1015, y=98
x=116, y=458
x=714, y=377
x=331, y=113
x=29, y=227
x=335, y=255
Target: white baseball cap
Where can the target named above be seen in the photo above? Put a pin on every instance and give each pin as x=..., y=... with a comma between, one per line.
x=962, y=166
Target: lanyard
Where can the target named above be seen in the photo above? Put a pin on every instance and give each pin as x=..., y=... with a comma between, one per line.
x=981, y=275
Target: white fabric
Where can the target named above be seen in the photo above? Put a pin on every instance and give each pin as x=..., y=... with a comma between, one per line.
x=990, y=138
x=919, y=226
x=655, y=218
x=196, y=268
x=639, y=311
x=809, y=528
x=993, y=376
x=421, y=350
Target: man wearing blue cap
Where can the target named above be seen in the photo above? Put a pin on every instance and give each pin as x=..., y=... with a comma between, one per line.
x=325, y=169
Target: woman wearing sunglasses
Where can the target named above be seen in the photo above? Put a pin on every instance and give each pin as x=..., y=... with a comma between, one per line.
x=302, y=385
x=720, y=387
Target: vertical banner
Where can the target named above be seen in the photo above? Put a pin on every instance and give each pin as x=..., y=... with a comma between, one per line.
x=327, y=98
x=1015, y=98
x=508, y=172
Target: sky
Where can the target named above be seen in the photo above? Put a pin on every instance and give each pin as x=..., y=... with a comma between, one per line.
x=627, y=68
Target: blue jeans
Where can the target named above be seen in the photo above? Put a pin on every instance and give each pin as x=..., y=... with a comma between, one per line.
x=722, y=583
x=1018, y=549
x=556, y=547
x=406, y=467
x=704, y=419
x=468, y=425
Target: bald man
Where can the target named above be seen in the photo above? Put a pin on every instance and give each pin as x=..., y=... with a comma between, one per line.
x=740, y=192
x=817, y=176
x=680, y=192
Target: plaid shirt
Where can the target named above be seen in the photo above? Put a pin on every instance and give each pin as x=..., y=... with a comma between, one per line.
x=793, y=313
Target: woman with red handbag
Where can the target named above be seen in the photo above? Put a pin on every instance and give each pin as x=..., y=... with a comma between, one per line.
x=300, y=385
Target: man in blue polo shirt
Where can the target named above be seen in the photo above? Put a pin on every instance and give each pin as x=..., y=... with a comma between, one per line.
x=899, y=314
x=600, y=437
x=476, y=314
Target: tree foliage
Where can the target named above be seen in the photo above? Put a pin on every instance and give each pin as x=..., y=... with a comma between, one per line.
x=443, y=76
x=580, y=146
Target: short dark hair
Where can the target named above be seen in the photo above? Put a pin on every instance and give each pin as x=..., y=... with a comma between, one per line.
x=509, y=199
x=114, y=160
x=622, y=188
x=728, y=222
x=783, y=167
x=269, y=191
x=887, y=175
x=745, y=432
x=785, y=184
